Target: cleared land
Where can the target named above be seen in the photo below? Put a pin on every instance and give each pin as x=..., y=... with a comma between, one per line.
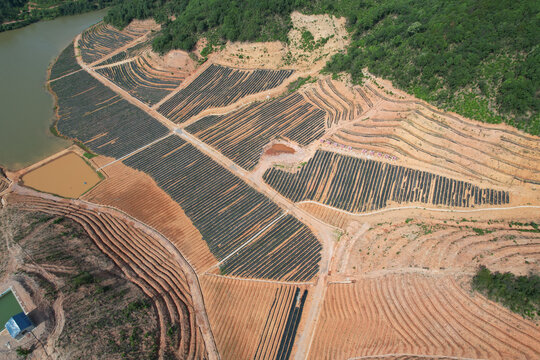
x=412, y=314
x=454, y=246
x=68, y=176
x=257, y=320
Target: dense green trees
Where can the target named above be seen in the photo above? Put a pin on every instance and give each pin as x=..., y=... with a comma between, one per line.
x=15, y=14
x=477, y=57
x=520, y=294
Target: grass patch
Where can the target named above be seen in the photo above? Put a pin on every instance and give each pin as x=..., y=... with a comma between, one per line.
x=482, y=231
x=89, y=155
x=298, y=83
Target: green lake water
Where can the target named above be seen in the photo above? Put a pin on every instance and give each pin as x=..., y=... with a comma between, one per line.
x=26, y=107
x=9, y=306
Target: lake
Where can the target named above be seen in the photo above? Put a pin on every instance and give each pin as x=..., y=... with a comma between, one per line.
x=26, y=105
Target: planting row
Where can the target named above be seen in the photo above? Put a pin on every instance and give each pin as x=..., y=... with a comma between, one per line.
x=219, y=86
x=416, y=314
x=135, y=50
x=287, y=250
x=141, y=79
x=279, y=332
x=225, y=210
x=359, y=185
x=66, y=63
x=100, y=40
x=338, y=106
x=93, y=114
x=242, y=134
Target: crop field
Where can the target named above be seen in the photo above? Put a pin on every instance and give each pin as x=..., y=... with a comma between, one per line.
x=95, y=115
x=138, y=195
x=257, y=321
x=437, y=140
x=242, y=134
x=458, y=245
x=134, y=51
x=145, y=262
x=219, y=86
x=359, y=185
x=287, y=250
x=341, y=105
x=102, y=39
x=225, y=210
x=143, y=80
x=412, y=314
x=65, y=63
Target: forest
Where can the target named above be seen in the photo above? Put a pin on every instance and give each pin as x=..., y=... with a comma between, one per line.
x=15, y=14
x=477, y=58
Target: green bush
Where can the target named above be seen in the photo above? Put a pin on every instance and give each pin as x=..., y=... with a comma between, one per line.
x=520, y=294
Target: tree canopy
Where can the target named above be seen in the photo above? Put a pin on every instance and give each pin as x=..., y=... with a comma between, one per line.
x=478, y=58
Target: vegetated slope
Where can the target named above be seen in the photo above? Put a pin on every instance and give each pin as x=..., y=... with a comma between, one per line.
x=226, y=211
x=145, y=262
x=15, y=14
x=478, y=59
x=241, y=135
x=143, y=80
x=520, y=294
x=410, y=129
x=66, y=63
x=91, y=113
x=137, y=194
x=219, y=86
x=359, y=185
x=81, y=303
x=458, y=245
x=253, y=320
x=413, y=314
x=102, y=39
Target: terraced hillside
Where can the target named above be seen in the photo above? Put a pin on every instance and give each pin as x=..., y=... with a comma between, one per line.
x=102, y=39
x=417, y=315
x=91, y=113
x=241, y=135
x=359, y=185
x=219, y=86
x=458, y=245
x=144, y=261
x=228, y=213
x=131, y=52
x=442, y=142
x=340, y=103
x=257, y=321
x=143, y=80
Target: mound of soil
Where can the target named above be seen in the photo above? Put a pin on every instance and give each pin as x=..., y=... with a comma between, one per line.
x=278, y=149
